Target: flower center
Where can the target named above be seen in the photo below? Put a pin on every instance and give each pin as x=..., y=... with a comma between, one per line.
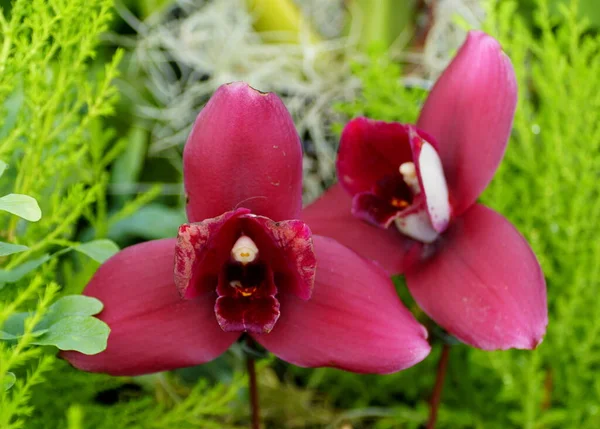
x=246, y=291
x=248, y=260
x=414, y=197
x=245, y=279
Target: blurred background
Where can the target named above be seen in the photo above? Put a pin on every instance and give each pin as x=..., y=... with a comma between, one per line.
x=97, y=99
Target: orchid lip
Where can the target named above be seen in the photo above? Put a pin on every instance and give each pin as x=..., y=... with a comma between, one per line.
x=414, y=197
x=248, y=260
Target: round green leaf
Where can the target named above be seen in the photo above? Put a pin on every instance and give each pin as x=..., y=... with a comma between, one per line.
x=71, y=305
x=20, y=271
x=23, y=206
x=8, y=381
x=9, y=248
x=98, y=250
x=84, y=334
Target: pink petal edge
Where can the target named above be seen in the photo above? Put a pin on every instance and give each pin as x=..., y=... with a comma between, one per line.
x=354, y=320
x=152, y=328
x=484, y=284
x=470, y=112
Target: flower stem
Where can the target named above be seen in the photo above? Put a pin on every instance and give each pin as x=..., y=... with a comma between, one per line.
x=253, y=389
x=436, y=395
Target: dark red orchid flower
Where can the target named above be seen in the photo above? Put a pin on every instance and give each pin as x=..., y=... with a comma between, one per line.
x=416, y=186
x=245, y=263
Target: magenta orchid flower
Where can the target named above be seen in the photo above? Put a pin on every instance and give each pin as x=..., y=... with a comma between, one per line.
x=245, y=263
x=466, y=266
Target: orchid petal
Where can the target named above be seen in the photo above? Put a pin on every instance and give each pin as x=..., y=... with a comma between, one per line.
x=469, y=112
x=152, y=328
x=354, y=320
x=370, y=150
x=243, y=152
x=331, y=216
x=483, y=284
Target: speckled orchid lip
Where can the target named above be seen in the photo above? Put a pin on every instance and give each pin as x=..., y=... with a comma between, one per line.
x=246, y=259
x=465, y=265
x=245, y=264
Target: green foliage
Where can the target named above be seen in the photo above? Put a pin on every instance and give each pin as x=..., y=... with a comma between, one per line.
x=55, y=153
x=98, y=250
x=552, y=168
x=67, y=324
x=159, y=401
x=23, y=206
x=384, y=95
x=8, y=249
x=57, y=147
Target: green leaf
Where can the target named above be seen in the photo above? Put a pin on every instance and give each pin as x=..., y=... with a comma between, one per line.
x=151, y=222
x=67, y=306
x=3, y=166
x=71, y=305
x=128, y=166
x=14, y=327
x=98, y=250
x=7, y=336
x=84, y=334
x=8, y=248
x=8, y=381
x=23, y=206
x=22, y=270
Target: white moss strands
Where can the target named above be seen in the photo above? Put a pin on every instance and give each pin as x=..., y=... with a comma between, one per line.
x=182, y=54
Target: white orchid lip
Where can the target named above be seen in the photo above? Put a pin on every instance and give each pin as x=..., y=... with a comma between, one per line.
x=244, y=250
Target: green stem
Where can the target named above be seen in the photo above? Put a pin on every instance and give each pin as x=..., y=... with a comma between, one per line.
x=383, y=21
x=253, y=389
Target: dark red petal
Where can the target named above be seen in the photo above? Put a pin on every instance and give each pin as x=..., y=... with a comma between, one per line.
x=202, y=249
x=470, y=112
x=354, y=320
x=247, y=298
x=370, y=150
x=288, y=249
x=370, y=208
x=257, y=315
x=152, y=328
x=331, y=216
x=484, y=284
x=243, y=152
